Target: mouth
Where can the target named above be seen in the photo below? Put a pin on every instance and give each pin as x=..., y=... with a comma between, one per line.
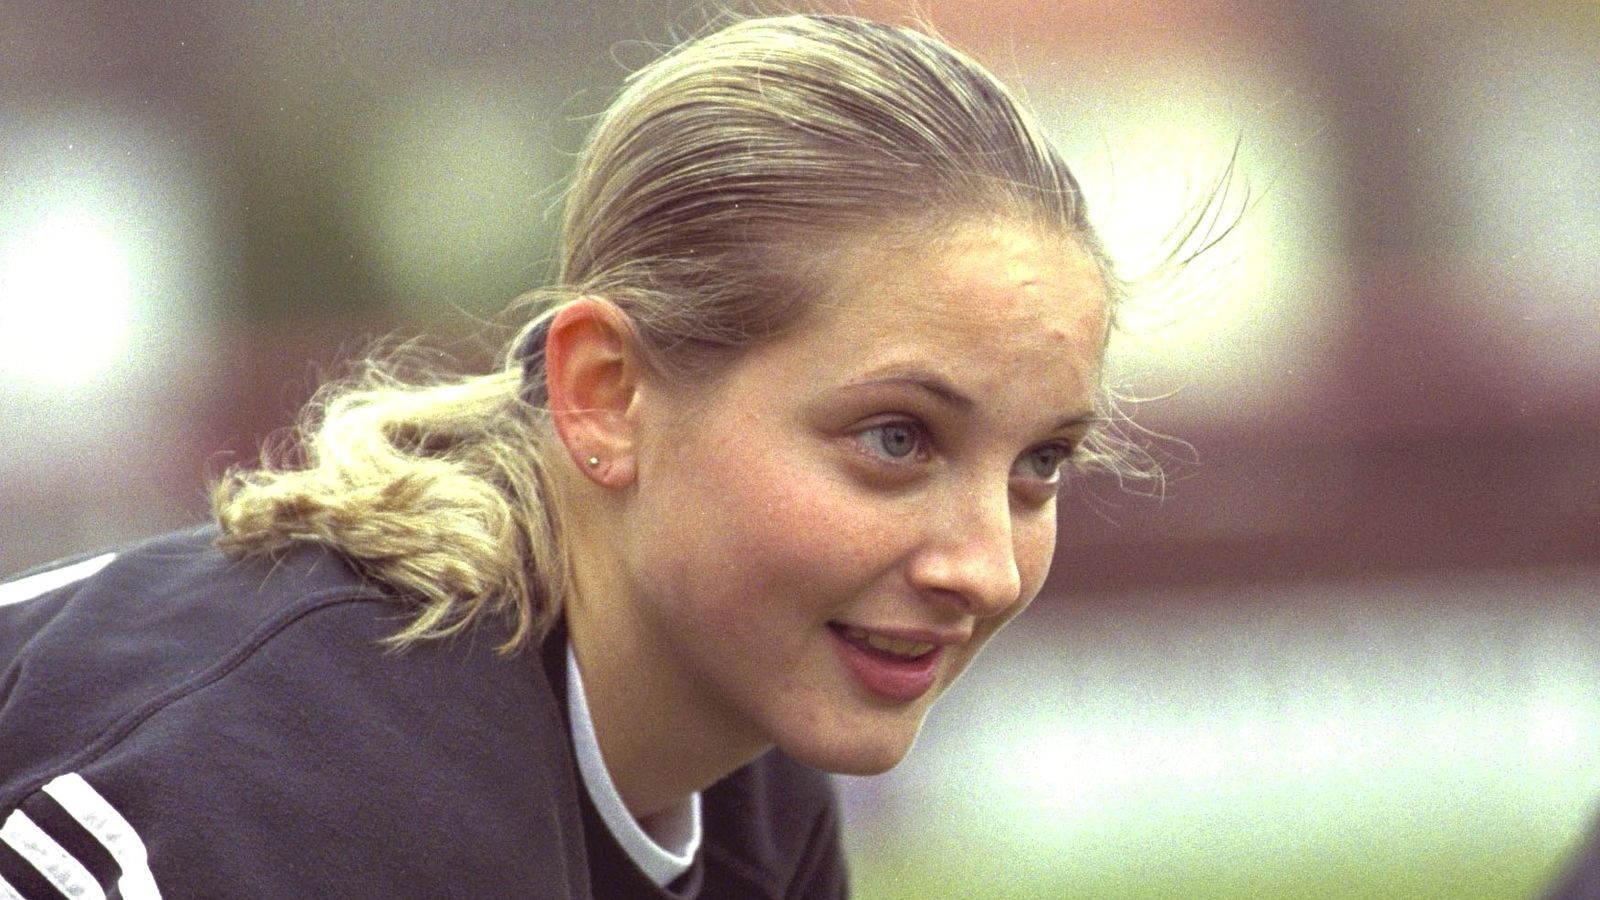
x=873, y=642
x=890, y=667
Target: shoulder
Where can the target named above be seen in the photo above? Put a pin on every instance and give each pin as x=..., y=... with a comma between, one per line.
x=266, y=736
x=101, y=642
x=176, y=584
x=772, y=830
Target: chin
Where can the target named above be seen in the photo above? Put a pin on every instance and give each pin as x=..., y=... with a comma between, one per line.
x=850, y=754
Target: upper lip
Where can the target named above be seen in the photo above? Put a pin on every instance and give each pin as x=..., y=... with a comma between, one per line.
x=940, y=636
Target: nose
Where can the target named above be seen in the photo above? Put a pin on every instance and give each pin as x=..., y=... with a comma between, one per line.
x=968, y=557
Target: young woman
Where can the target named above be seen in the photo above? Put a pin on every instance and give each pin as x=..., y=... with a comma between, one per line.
x=777, y=455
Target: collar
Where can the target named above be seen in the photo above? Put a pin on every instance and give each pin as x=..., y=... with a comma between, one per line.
x=668, y=848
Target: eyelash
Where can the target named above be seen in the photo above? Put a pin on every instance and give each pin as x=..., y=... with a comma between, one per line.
x=919, y=451
x=1064, y=456
x=872, y=439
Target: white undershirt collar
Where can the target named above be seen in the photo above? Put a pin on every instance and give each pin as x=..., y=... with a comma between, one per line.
x=668, y=848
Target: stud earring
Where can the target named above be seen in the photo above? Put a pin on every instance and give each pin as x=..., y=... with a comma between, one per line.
x=594, y=461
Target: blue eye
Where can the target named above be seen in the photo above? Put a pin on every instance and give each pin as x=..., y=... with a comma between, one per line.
x=1044, y=463
x=894, y=441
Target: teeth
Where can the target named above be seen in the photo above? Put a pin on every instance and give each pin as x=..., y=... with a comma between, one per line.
x=911, y=649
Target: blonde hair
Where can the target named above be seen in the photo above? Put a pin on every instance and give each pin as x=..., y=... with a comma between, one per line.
x=706, y=205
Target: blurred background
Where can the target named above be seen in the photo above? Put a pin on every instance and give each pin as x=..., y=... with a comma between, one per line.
x=1352, y=650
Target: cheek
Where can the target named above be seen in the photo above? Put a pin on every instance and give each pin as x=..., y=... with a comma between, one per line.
x=776, y=522
x=1035, y=547
x=808, y=529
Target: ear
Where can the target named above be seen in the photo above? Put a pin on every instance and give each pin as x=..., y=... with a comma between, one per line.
x=592, y=372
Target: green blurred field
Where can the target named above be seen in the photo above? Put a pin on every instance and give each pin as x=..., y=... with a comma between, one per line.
x=1446, y=865
x=1424, y=741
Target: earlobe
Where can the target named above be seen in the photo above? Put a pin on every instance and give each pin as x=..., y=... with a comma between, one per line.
x=592, y=373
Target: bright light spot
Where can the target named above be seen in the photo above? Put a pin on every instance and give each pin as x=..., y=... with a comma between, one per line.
x=1312, y=747
x=1558, y=731
x=1253, y=313
x=65, y=300
x=1063, y=774
x=1219, y=319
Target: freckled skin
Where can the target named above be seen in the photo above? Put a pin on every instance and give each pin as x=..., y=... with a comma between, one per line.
x=762, y=511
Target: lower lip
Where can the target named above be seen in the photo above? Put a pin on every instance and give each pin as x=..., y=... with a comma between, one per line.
x=897, y=680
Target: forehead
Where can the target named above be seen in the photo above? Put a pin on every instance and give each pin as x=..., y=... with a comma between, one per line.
x=989, y=293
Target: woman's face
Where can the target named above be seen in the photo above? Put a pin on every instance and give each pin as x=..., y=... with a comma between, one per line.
x=822, y=539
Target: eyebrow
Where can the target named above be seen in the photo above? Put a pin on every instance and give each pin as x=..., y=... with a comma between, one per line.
x=951, y=396
x=925, y=381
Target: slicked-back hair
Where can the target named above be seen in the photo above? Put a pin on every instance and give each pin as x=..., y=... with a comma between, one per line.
x=706, y=205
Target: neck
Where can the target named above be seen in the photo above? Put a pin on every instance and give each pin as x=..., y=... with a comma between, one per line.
x=661, y=737
x=659, y=745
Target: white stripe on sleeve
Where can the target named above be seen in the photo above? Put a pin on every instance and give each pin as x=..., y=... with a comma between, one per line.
x=33, y=585
x=55, y=864
x=108, y=826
